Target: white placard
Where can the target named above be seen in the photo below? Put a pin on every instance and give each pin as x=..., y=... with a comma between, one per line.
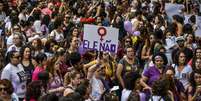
x=200, y=7
x=100, y=38
x=173, y=9
x=1, y=31
x=186, y=19
x=198, y=23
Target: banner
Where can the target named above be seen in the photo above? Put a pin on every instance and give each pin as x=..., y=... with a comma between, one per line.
x=100, y=38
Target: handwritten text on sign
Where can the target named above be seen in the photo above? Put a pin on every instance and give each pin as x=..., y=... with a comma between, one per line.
x=100, y=38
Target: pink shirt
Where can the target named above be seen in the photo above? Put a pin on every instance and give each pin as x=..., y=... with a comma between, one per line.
x=30, y=99
x=46, y=11
x=37, y=70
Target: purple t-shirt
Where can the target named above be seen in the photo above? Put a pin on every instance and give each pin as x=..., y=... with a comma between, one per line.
x=153, y=74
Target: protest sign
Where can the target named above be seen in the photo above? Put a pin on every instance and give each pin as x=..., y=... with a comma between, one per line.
x=1, y=31
x=100, y=38
x=173, y=9
x=198, y=23
x=186, y=18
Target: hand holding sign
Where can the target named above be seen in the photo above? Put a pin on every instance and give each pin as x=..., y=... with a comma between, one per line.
x=100, y=38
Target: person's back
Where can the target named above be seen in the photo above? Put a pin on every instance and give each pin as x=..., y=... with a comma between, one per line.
x=160, y=91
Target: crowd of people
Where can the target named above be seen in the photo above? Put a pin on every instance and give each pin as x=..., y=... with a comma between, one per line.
x=42, y=58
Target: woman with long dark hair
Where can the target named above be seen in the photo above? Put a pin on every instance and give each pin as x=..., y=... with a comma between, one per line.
x=176, y=87
x=26, y=62
x=182, y=69
x=56, y=78
x=41, y=59
x=147, y=50
x=160, y=91
x=33, y=91
x=37, y=46
x=194, y=91
x=190, y=42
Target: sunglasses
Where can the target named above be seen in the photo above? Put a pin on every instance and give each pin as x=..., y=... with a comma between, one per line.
x=17, y=57
x=3, y=89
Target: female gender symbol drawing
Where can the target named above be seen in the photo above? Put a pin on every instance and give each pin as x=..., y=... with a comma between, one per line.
x=102, y=32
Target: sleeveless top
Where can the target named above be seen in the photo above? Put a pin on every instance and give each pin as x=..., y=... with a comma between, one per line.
x=28, y=70
x=128, y=68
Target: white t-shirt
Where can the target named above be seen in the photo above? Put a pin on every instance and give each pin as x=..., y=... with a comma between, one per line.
x=8, y=23
x=125, y=94
x=170, y=42
x=37, y=26
x=14, y=97
x=161, y=28
x=184, y=75
x=156, y=98
x=17, y=76
x=2, y=16
x=97, y=88
x=9, y=40
x=57, y=36
x=23, y=17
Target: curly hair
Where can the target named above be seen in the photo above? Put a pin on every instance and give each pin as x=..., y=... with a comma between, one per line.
x=161, y=55
x=23, y=49
x=160, y=88
x=177, y=57
x=8, y=85
x=192, y=78
x=39, y=44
